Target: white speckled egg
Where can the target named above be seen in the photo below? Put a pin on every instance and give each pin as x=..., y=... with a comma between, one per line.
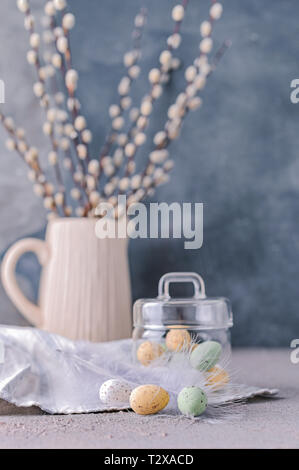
x=116, y=392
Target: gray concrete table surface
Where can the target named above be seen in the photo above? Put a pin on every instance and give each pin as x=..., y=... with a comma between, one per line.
x=260, y=423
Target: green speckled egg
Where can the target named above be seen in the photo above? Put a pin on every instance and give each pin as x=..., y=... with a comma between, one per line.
x=206, y=355
x=192, y=401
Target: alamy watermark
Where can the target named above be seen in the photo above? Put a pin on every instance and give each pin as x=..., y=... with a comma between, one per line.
x=155, y=220
x=294, y=356
x=2, y=92
x=294, y=96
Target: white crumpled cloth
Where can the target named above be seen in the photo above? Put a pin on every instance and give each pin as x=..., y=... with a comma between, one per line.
x=63, y=376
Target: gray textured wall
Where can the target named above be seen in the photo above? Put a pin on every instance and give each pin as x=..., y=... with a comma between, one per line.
x=238, y=155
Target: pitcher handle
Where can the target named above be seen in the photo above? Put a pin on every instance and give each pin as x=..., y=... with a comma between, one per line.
x=30, y=311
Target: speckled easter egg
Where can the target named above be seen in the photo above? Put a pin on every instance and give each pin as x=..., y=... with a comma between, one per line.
x=206, y=355
x=148, y=399
x=116, y=392
x=217, y=378
x=177, y=339
x=192, y=401
x=148, y=351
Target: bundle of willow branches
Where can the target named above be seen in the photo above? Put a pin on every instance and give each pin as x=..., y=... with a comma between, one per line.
x=113, y=170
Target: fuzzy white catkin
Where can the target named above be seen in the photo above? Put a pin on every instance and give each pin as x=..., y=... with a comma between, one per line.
x=51, y=114
x=190, y=73
x=9, y=123
x=174, y=40
x=157, y=91
x=82, y=151
x=86, y=136
x=173, y=111
x=142, y=122
x=59, y=4
x=68, y=21
x=158, y=156
x=191, y=90
x=126, y=102
x=178, y=13
x=194, y=103
x=64, y=143
x=129, y=59
x=216, y=11
x=57, y=60
x=108, y=189
x=130, y=149
x=71, y=78
x=93, y=167
x=165, y=57
x=47, y=128
x=139, y=20
x=134, y=113
x=147, y=181
x=159, y=137
x=94, y=198
x=49, y=189
x=206, y=45
x=23, y=5
x=124, y=184
x=28, y=22
x=50, y=9
x=62, y=44
x=11, y=145
x=38, y=190
x=140, y=138
x=75, y=194
x=67, y=163
x=38, y=89
x=146, y=108
x=118, y=157
x=168, y=165
x=44, y=100
x=59, y=198
x=80, y=123
x=20, y=133
x=48, y=37
x=61, y=115
x=124, y=86
x=114, y=110
x=200, y=82
x=59, y=98
x=134, y=72
x=131, y=167
x=78, y=177
x=154, y=75
x=79, y=211
x=31, y=57
x=118, y=123
x=53, y=158
x=68, y=211
x=205, y=28
x=48, y=202
x=31, y=175
x=34, y=40
x=22, y=146
x=175, y=63
x=108, y=170
x=136, y=181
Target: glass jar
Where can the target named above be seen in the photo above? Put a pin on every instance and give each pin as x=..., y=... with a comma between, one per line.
x=198, y=319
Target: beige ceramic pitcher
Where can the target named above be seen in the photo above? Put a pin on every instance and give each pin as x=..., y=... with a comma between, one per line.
x=84, y=287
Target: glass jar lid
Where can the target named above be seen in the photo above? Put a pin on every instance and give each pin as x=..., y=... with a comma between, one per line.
x=197, y=312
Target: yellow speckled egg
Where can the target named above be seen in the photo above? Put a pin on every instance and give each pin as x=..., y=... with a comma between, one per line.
x=148, y=399
x=217, y=377
x=177, y=338
x=148, y=351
